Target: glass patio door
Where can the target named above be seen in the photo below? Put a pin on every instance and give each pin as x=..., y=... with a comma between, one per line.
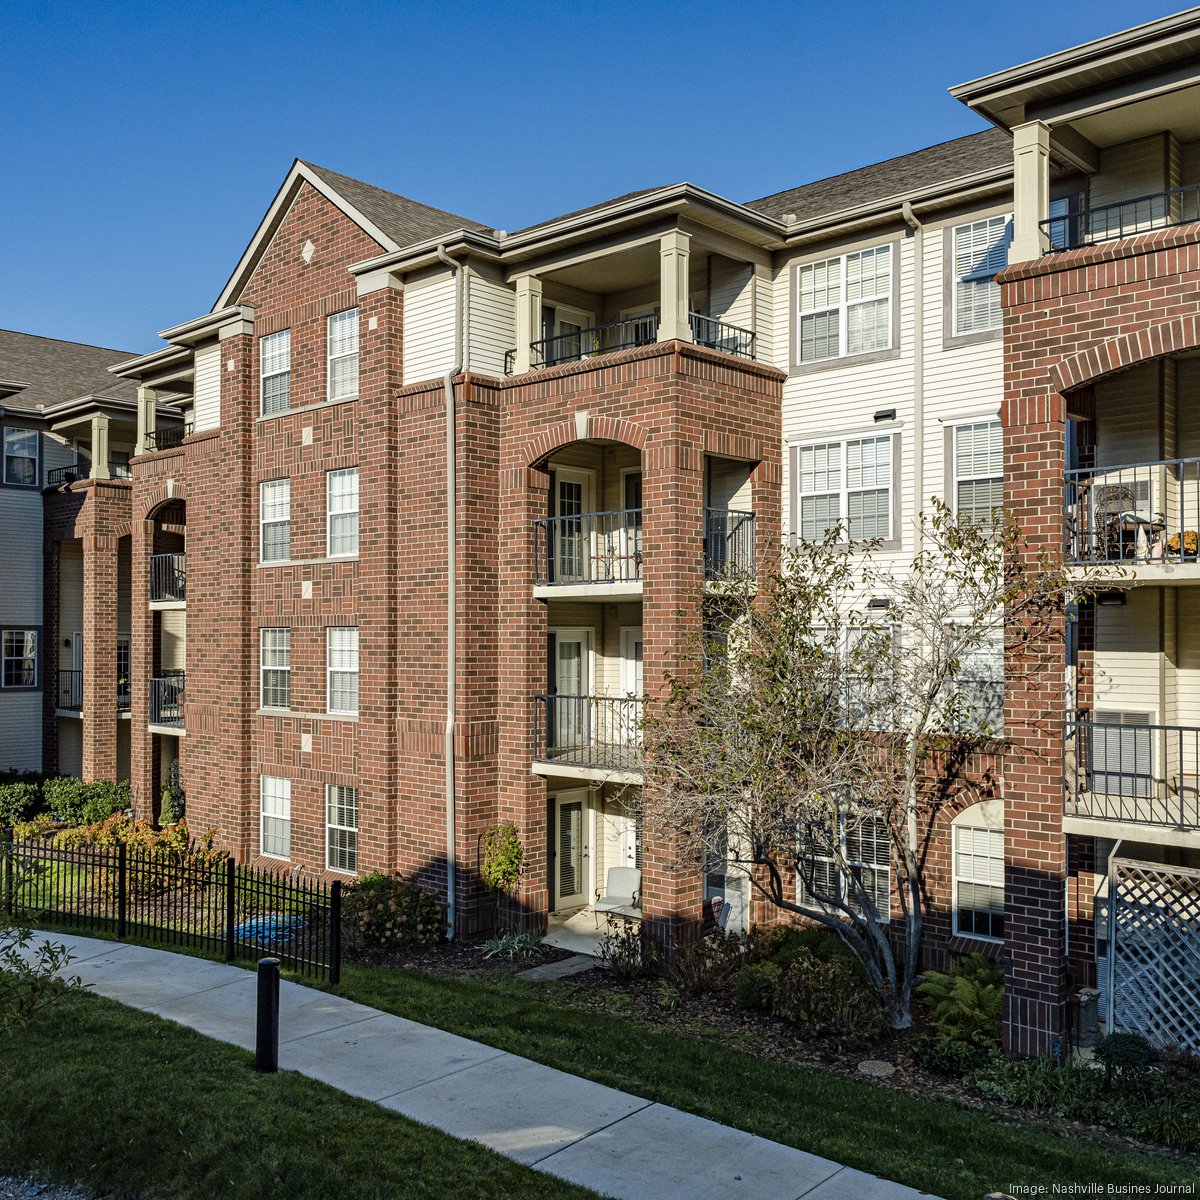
x=570, y=506
x=572, y=685
x=572, y=884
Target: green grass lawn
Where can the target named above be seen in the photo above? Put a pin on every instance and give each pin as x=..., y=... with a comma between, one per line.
x=134, y=1106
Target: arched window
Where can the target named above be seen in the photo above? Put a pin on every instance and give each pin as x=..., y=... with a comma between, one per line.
x=978, y=852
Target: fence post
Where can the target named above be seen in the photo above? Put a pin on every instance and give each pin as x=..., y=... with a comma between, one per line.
x=266, y=1034
x=6, y=835
x=122, y=889
x=230, y=909
x=335, y=932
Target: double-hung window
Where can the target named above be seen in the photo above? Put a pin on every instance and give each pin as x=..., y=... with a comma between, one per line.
x=275, y=816
x=342, y=346
x=18, y=658
x=275, y=520
x=341, y=512
x=341, y=828
x=980, y=252
x=844, y=305
x=979, y=687
x=275, y=668
x=978, y=455
x=21, y=464
x=275, y=372
x=978, y=877
x=865, y=848
x=846, y=483
x=342, y=670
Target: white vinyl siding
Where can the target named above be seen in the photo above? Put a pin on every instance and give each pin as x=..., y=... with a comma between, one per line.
x=848, y=483
x=341, y=512
x=22, y=458
x=980, y=253
x=207, y=403
x=429, y=326
x=978, y=880
x=845, y=305
x=21, y=552
x=493, y=323
x=342, y=346
x=341, y=828
x=275, y=817
x=275, y=520
x=21, y=732
x=866, y=850
x=341, y=660
x=275, y=372
x=978, y=471
x=18, y=658
x=275, y=668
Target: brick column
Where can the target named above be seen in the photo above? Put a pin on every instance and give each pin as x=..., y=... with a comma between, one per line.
x=99, y=649
x=141, y=668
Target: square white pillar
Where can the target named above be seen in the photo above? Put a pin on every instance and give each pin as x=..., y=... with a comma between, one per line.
x=147, y=419
x=1031, y=191
x=99, y=448
x=674, y=255
x=529, y=320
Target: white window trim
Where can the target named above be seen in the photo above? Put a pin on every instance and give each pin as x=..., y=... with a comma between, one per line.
x=893, y=538
x=955, y=477
x=37, y=457
x=956, y=278
x=960, y=679
x=264, y=375
x=263, y=668
x=262, y=815
x=330, y=514
x=843, y=307
x=37, y=654
x=331, y=358
x=343, y=828
x=884, y=918
x=263, y=522
x=329, y=671
x=955, y=877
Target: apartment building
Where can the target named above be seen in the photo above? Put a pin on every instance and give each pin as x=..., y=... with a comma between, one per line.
x=417, y=508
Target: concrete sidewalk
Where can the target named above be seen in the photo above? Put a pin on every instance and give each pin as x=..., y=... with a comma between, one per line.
x=615, y=1143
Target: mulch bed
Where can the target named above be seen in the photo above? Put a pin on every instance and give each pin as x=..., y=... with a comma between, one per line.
x=463, y=956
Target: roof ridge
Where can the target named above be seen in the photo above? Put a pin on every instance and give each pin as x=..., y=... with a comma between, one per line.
x=69, y=342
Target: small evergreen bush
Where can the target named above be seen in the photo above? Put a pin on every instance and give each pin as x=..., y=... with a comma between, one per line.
x=19, y=801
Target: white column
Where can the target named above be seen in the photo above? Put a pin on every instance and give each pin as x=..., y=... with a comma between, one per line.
x=147, y=418
x=1031, y=191
x=529, y=319
x=99, y=448
x=674, y=250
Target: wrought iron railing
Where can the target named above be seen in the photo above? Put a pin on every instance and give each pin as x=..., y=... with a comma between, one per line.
x=1140, y=774
x=597, y=732
x=124, y=696
x=1123, y=218
x=604, y=547
x=1140, y=512
x=166, y=700
x=70, y=691
x=168, y=578
x=117, y=469
x=729, y=543
x=719, y=335
x=167, y=437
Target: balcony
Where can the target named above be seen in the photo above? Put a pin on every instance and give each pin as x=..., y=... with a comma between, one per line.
x=1145, y=775
x=729, y=544
x=70, y=691
x=1142, y=515
x=168, y=437
x=167, y=700
x=636, y=331
x=588, y=736
x=589, y=554
x=117, y=469
x=1108, y=222
x=168, y=580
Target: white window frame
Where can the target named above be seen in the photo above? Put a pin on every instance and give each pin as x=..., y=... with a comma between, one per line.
x=844, y=305
x=283, y=798
x=37, y=455
x=330, y=670
x=6, y=658
x=264, y=666
x=815, y=905
x=283, y=485
x=268, y=347
x=984, y=271
x=843, y=492
x=331, y=512
x=956, y=878
x=994, y=643
x=956, y=476
x=350, y=317
x=331, y=826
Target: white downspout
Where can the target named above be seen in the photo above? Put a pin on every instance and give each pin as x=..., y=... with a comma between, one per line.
x=918, y=353
x=452, y=590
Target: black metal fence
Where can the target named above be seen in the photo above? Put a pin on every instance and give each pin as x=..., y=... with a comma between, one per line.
x=168, y=578
x=596, y=732
x=728, y=543
x=70, y=691
x=175, y=899
x=1123, y=218
x=167, y=437
x=720, y=335
x=602, y=547
x=167, y=699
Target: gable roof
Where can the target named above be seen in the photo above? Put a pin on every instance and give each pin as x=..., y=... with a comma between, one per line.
x=56, y=371
x=990, y=149
x=591, y=208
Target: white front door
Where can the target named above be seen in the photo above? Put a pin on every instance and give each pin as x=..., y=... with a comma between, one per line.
x=572, y=504
x=572, y=850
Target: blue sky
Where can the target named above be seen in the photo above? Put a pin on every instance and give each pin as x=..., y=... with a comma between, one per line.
x=142, y=142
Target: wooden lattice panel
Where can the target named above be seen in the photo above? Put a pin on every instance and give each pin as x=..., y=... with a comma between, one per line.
x=1156, y=952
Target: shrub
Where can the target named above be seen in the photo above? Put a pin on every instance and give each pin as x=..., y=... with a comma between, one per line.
x=757, y=985
x=29, y=976
x=1126, y=1058
x=968, y=1001
x=512, y=945
x=1172, y=1122
x=781, y=944
x=18, y=801
x=706, y=965
x=1041, y=1084
x=828, y=996
x=64, y=799
x=102, y=800
x=630, y=952
x=388, y=912
x=501, y=857
x=947, y=1056
x=35, y=827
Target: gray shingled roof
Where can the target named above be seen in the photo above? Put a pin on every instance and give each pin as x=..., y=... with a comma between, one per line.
x=405, y=221
x=59, y=371
x=894, y=177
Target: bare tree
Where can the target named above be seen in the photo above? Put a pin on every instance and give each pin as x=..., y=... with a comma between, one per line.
x=804, y=741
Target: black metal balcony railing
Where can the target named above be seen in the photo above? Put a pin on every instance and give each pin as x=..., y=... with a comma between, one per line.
x=1140, y=774
x=167, y=437
x=117, y=469
x=124, y=697
x=604, y=547
x=70, y=691
x=168, y=577
x=1123, y=218
x=719, y=335
x=729, y=543
x=597, y=732
x=166, y=700
x=1141, y=512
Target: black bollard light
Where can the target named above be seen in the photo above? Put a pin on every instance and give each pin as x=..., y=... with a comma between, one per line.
x=266, y=1043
